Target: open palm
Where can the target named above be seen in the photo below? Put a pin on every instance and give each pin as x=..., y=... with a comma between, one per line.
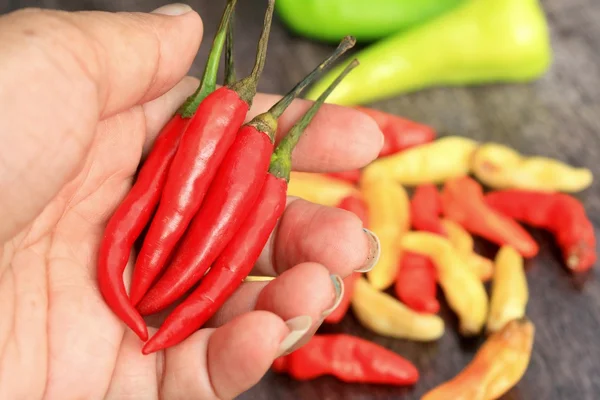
x=75, y=123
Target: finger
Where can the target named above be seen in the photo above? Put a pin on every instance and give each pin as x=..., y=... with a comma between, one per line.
x=224, y=362
x=329, y=236
x=338, y=138
x=307, y=289
x=62, y=72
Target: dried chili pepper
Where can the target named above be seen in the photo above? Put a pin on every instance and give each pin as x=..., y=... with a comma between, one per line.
x=563, y=215
x=501, y=167
x=348, y=358
x=399, y=133
x=416, y=284
x=231, y=196
x=434, y=162
x=463, y=242
x=320, y=188
x=498, y=365
x=386, y=316
x=509, y=290
x=238, y=258
x=352, y=176
x=135, y=211
x=338, y=314
x=202, y=149
x=463, y=202
x=425, y=210
x=463, y=290
x=389, y=216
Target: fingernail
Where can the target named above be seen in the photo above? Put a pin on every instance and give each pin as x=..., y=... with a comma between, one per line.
x=174, y=9
x=298, y=327
x=374, y=252
x=338, y=287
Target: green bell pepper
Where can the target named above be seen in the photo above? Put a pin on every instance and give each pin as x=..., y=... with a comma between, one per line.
x=482, y=41
x=366, y=20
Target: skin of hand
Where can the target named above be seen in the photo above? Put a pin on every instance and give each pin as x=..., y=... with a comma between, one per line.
x=82, y=97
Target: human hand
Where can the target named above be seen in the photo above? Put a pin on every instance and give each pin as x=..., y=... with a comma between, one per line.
x=82, y=97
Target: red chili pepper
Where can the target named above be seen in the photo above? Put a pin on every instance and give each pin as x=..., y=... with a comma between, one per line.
x=348, y=358
x=561, y=214
x=425, y=210
x=230, y=198
x=236, y=261
x=338, y=314
x=357, y=206
x=399, y=133
x=202, y=149
x=463, y=202
x=134, y=212
x=416, y=283
x=352, y=176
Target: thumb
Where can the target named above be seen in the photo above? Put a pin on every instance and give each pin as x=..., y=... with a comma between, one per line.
x=60, y=73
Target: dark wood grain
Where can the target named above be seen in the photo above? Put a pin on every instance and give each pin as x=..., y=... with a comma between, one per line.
x=559, y=116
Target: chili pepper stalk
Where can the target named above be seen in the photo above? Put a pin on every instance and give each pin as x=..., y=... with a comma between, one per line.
x=203, y=147
x=136, y=209
x=231, y=197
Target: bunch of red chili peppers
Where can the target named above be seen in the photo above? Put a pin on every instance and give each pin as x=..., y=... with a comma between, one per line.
x=209, y=194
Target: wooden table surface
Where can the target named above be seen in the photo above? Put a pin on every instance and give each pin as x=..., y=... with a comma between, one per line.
x=559, y=116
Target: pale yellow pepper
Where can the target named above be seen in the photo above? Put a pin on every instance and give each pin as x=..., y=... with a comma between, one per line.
x=463, y=242
x=463, y=289
x=499, y=365
x=319, y=188
x=434, y=162
x=386, y=316
x=509, y=289
x=389, y=218
x=501, y=167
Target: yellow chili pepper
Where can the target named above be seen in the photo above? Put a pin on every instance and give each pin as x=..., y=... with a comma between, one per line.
x=464, y=291
x=386, y=316
x=509, y=289
x=434, y=162
x=463, y=242
x=319, y=188
x=389, y=218
x=498, y=365
x=501, y=167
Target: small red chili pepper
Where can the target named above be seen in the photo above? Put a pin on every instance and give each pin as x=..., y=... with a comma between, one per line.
x=238, y=258
x=559, y=213
x=338, y=314
x=230, y=198
x=399, y=133
x=352, y=176
x=134, y=212
x=357, y=206
x=348, y=358
x=425, y=210
x=416, y=283
x=463, y=202
x=202, y=150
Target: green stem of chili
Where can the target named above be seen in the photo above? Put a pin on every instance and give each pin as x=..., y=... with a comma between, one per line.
x=246, y=88
x=209, y=79
x=229, y=54
x=281, y=160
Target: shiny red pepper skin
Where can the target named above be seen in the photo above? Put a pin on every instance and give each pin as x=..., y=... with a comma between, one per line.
x=463, y=202
x=416, y=283
x=128, y=221
x=357, y=206
x=399, y=133
x=348, y=358
x=425, y=210
x=563, y=215
x=231, y=197
x=228, y=271
x=202, y=149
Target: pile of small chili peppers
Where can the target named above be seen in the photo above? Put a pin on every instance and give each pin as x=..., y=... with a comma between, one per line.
x=427, y=240
x=203, y=232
